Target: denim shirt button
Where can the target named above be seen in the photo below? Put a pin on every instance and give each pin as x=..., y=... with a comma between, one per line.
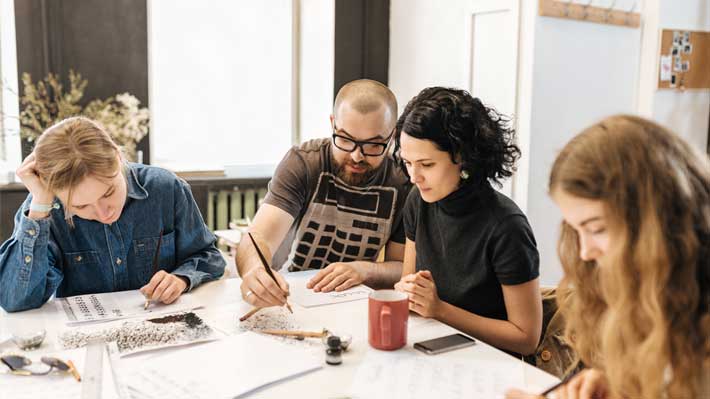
x=118, y=261
x=28, y=259
x=78, y=258
x=31, y=232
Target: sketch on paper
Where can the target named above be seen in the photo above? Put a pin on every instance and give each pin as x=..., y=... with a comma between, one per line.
x=139, y=336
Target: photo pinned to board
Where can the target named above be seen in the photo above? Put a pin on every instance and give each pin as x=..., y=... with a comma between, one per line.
x=137, y=336
x=673, y=80
x=688, y=49
x=685, y=66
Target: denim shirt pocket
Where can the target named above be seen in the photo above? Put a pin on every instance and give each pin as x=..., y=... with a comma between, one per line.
x=144, y=251
x=82, y=268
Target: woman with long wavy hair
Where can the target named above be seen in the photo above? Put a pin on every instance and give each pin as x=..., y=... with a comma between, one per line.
x=635, y=249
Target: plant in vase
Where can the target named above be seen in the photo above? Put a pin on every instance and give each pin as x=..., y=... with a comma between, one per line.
x=47, y=102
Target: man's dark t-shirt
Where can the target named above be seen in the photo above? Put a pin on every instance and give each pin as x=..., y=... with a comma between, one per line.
x=336, y=221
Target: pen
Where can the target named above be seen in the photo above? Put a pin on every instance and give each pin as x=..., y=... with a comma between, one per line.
x=156, y=258
x=266, y=266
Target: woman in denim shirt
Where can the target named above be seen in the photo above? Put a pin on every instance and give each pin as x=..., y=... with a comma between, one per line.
x=92, y=223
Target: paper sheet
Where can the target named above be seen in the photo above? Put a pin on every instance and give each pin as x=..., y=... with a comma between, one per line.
x=409, y=374
x=308, y=298
x=228, y=368
x=116, y=305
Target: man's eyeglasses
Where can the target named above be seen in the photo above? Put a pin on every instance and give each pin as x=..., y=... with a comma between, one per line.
x=368, y=148
x=20, y=365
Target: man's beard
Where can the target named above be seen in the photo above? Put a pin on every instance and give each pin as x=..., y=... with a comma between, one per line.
x=354, y=179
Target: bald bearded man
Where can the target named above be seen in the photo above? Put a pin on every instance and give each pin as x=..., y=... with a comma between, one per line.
x=341, y=199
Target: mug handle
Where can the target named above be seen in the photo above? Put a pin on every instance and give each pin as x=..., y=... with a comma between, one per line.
x=386, y=325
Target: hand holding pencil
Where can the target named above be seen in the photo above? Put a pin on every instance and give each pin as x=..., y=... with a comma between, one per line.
x=261, y=287
x=584, y=384
x=163, y=286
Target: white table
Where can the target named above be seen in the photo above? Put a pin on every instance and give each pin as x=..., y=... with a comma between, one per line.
x=223, y=306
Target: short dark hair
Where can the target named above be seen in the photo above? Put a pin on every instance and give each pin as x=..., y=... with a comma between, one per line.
x=478, y=137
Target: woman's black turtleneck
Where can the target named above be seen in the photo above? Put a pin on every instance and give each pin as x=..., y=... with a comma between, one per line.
x=473, y=241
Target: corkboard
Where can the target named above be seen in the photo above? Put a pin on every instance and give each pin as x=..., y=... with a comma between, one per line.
x=697, y=61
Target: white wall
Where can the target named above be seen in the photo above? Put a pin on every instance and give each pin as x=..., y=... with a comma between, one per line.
x=427, y=46
x=583, y=72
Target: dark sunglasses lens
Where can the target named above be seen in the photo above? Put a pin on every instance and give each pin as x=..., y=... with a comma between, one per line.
x=56, y=363
x=15, y=362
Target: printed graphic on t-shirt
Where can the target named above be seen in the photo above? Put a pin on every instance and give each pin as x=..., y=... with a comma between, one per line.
x=343, y=223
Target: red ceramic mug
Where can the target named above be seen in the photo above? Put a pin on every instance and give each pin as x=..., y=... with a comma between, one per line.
x=388, y=314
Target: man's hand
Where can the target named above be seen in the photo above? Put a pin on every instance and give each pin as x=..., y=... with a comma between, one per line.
x=259, y=289
x=338, y=276
x=164, y=287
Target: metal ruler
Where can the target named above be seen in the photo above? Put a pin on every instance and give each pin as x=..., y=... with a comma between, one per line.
x=93, y=370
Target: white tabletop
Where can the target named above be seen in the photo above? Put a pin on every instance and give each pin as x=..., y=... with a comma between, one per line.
x=223, y=305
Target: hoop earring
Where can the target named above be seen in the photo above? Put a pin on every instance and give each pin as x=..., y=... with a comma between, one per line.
x=464, y=175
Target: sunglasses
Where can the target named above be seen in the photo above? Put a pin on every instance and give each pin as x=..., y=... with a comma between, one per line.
x=19, y=365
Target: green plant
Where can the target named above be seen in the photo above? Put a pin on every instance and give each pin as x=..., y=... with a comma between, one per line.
x=46, y=103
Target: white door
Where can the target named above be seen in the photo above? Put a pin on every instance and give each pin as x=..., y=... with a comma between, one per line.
x=469, y=44
x=492, y=56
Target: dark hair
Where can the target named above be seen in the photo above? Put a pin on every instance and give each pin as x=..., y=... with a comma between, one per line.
x=473, y=134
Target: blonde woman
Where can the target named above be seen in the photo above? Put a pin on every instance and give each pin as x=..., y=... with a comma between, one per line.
x=635, y=249
x=93, y=223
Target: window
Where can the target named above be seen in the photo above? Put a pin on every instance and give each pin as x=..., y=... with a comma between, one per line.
x=220, y=75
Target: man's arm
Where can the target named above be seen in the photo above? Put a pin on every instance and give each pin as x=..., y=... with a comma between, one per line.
x=270, y=226
x=340, y=276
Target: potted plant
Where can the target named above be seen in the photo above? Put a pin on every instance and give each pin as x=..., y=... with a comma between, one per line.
x=46, y=103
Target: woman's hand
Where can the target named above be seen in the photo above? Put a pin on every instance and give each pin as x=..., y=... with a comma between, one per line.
x=421, y=289
x=29, y=176
x=588, y=384
x=164, y=287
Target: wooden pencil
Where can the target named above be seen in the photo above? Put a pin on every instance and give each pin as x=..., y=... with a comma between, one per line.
x=74, y=372
x=156, y=263
x=249, y=314
x=267, y=267
x=296, y=333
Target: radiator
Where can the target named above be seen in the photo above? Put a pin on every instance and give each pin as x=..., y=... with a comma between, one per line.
x=232, y=205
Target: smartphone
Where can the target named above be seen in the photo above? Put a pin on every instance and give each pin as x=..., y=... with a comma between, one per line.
x=444, y=344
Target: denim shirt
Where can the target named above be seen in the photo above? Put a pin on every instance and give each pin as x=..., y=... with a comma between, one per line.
x=47, y=255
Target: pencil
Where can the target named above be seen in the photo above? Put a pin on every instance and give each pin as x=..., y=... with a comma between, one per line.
x=295, y=333
x=561, y=383
x=267, y=267
x=156, y=259
x=249, y=314
x=73, y=370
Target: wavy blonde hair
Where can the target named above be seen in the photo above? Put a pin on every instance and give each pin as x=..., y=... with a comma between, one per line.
x=73, y=149
x=645, y=313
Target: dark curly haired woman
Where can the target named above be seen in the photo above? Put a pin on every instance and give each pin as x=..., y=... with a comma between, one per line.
x=470, y=259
